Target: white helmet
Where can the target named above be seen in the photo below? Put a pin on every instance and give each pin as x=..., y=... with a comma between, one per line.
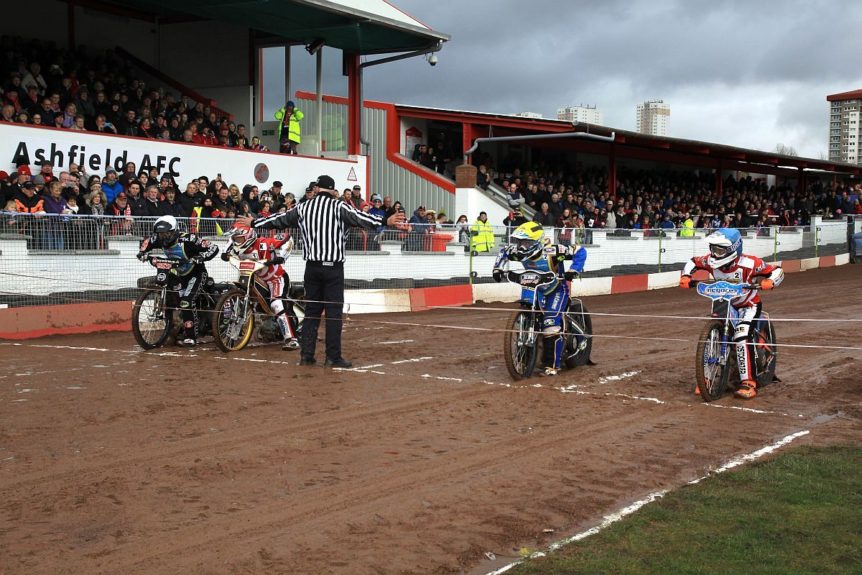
x=725, y=247
x=167, y=230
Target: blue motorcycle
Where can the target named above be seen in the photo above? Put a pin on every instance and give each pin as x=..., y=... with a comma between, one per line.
x=523, y=336
x=715, y=364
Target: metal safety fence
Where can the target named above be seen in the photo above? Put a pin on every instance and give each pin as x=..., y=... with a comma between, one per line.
x=55, y=259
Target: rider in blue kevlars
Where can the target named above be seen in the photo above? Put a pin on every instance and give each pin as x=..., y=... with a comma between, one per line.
x=529, y=246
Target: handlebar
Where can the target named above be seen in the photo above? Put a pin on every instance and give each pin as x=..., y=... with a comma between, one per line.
x=245, y=267
x=536, y=279
x=741, y=285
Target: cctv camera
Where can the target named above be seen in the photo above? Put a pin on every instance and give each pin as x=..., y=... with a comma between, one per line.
x=432, y=59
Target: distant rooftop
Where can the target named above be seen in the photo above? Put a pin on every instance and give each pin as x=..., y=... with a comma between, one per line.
x=854, y=95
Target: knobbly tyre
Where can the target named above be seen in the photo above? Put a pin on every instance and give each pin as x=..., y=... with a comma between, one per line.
x=155, y=317
x=246, y=305
x=714, y=362
x=524, y=327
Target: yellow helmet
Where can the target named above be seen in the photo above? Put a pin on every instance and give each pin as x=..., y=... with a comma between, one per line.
x=528, y=240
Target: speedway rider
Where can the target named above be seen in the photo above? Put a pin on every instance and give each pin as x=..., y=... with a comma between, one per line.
x=189, y=276
x=726, y=261
x=246, y=245
x=529, y=246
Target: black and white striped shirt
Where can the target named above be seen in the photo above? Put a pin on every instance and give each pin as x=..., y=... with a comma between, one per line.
x=323, y=222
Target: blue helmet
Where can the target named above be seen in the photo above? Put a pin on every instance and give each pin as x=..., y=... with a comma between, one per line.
x=725, y=247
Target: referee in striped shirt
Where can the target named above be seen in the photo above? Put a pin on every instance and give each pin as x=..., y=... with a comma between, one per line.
x=323, y=222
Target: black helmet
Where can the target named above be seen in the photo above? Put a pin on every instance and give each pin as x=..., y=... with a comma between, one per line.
x=167, y=230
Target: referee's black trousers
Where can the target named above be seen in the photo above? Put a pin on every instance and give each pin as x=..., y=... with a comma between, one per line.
x=324, y=290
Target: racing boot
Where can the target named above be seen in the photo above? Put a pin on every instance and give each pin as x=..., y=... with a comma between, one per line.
x=290, y=344
x=549, y=372
x=187, y=337
x=747, y=389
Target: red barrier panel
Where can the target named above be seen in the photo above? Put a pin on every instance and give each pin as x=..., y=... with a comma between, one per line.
x=632, y=283
x=425, y=298
x=791, y=266
x=39, y=321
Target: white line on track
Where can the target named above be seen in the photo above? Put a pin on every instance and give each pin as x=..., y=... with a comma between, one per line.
x=411, y=360
x=395, y=342
x=440, y=377
x=608, y=520
x=610, y=378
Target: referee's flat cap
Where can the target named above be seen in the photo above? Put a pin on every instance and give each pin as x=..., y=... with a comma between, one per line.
x=325, y=183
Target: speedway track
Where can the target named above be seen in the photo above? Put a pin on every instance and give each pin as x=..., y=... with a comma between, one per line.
x=114, y=460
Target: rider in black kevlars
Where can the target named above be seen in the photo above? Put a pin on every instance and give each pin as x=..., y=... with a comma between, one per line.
x=189, y=276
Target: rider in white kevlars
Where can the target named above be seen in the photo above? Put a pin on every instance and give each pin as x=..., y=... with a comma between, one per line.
x=725, y=261
x=246, y=244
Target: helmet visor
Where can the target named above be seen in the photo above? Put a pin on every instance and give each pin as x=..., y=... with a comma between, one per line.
x=167, y=237
x=523, y=243
x=719, y=252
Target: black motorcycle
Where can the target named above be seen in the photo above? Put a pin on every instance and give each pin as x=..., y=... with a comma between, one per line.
x=155, y=317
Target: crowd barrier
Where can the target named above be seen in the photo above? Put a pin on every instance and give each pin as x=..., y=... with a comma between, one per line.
x=69, y=262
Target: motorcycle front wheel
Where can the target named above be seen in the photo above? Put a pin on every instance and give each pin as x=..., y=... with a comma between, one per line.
x=232, y=321
x=712, y=376
x=151, y=319
x=520, y=345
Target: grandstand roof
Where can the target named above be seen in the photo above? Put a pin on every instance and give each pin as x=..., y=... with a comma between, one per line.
x=718, y=151
x=647, y=142
x=355, y=26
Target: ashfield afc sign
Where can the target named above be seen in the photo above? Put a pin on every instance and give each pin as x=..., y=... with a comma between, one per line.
x=95, y=153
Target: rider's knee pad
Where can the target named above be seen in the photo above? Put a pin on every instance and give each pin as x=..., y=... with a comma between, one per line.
x=551, y=330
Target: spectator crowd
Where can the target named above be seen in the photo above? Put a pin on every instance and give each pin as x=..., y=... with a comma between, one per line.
x=95, y=91
x=578, y=200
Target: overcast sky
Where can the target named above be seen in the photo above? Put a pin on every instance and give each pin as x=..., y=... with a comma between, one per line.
x=743, y=73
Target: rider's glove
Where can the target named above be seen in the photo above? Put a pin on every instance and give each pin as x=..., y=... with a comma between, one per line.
x=767, y=284
x=570, y=275
x=509, y=250
x=142, y=256
x=498, y=275
x=274, y=261
x=685, y=282
x=225, y=256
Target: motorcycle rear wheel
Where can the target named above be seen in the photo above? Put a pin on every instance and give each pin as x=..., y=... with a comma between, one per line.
x=151, y=319
x=767, y=355
x=519, y=354
x=578, y=351
x=232, y=322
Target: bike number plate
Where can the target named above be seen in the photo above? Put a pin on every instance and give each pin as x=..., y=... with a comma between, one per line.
x=530, y=280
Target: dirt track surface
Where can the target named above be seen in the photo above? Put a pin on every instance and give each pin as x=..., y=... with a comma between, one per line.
x=114, y=460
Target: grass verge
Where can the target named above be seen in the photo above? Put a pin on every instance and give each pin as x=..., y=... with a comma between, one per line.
x=799, y=513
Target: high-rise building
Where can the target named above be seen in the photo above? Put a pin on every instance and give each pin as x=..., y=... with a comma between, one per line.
x=845, y=129
x=586, y=114
x=533, y=115
x=653, y=117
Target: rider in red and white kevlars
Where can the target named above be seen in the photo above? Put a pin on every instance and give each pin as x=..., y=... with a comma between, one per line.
x=246, y=245
x=726, y=261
